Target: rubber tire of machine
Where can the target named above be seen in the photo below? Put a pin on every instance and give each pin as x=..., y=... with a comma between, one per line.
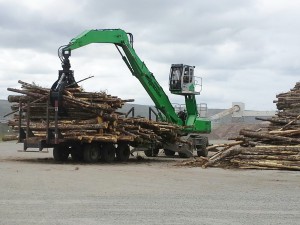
x=108, y=153
x=202, y=153
x=169, y=152
x=203, y=150
x=152, y=153
x=91, y=153
x=123, y=152
x=61, y=153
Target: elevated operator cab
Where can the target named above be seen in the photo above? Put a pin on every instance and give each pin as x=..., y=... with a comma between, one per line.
x=182, y=80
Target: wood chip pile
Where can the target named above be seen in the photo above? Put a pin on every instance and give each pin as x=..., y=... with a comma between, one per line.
x=89, y=116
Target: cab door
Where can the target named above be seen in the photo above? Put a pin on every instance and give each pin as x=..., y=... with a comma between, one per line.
x=188, y=80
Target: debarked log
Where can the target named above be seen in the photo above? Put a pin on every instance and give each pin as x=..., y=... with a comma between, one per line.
x=287, y=165
x=269, y=157
x=125, y=138
x=18, y=98
x=82, y=103
x=266, y=151
x=36, y=95
x=224, y=145
x=261, y=135
x=284, y=132
x=228, y=152
x=34, y=87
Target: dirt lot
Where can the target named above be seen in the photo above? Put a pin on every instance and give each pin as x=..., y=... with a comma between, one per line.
x=35, y=190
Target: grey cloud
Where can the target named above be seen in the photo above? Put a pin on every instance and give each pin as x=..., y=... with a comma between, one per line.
x=237, y=46
x=24, y=28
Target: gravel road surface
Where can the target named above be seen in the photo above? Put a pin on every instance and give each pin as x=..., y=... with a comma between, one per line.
x=36, y=190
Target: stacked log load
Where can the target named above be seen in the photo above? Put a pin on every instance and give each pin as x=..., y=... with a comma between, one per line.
x=275, y=146
x=284, y=127
x=87, y=117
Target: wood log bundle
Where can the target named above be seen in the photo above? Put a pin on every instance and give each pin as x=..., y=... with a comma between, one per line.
x=284, y=127
x=258, y=157
x=87, y=117
x=276, y=146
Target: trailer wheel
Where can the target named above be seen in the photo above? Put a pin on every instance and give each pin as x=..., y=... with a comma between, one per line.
x=169, y=152
x=183, y=155
x=91, y=153
x=108, y=152
x=123, y=152
x=61, y=153
x=77, y=153
x=151, y=153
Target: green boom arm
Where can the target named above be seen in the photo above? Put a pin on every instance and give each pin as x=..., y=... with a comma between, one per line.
x=136, y=66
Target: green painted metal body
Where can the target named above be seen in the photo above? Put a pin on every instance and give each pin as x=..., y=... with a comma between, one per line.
x=141, y=72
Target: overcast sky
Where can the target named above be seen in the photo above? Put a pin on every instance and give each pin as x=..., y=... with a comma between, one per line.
x=245, y=51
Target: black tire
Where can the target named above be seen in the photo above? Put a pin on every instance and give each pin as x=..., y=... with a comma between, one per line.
x=108, y=153
x=91, y=153
x=123, y=152
x=77, y=153
x=202, y=150
x=183, y=155
x=151, y=153
x=61, y=153
x=148, y=153
x=169, y=152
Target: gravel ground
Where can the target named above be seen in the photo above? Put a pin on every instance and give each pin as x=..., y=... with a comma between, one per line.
x=36, y=190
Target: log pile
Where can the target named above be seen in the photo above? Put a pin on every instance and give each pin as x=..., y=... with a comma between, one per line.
x=276, y=146
x=258, y=157
x=284, y=127
x=87, y=117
